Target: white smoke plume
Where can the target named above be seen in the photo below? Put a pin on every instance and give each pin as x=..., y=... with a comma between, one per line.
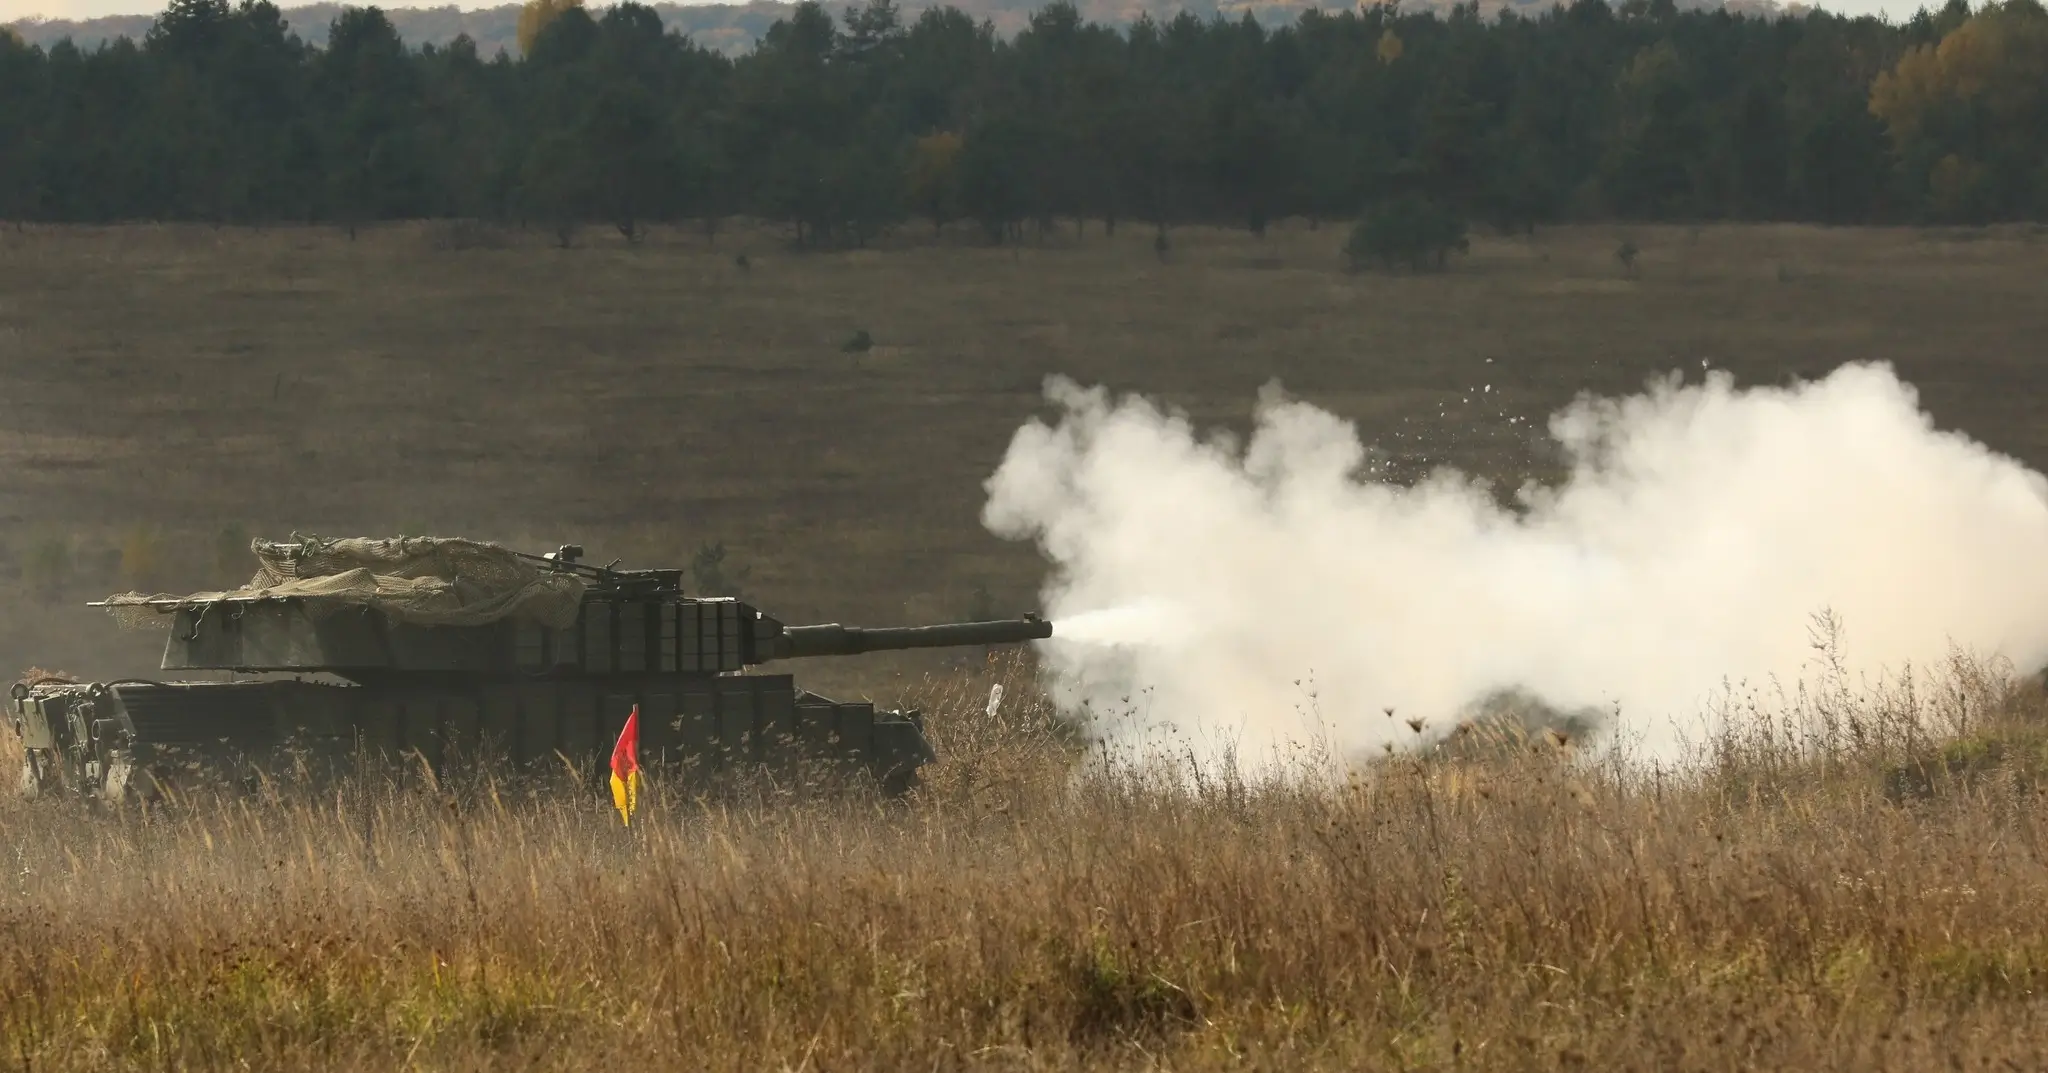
x=1209, y=588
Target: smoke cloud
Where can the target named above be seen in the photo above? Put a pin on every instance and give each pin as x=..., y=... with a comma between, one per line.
x=1272, y=592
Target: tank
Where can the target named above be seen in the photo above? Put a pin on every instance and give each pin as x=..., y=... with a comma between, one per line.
x=448, y=656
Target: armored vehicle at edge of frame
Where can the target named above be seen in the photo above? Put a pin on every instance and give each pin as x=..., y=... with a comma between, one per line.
x=460, y=654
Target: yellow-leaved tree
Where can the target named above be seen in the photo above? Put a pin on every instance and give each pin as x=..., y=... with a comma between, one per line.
x=535, y=16
x=1978, y=95
x=1390, y=47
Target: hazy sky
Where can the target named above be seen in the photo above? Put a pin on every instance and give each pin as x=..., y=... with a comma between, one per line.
x=84, y=9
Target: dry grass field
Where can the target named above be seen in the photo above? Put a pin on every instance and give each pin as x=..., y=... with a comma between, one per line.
x=174, y=389
x=1856, y=879
x=1874, y=906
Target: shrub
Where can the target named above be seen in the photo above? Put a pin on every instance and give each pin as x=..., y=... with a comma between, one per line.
x=1625, y=255
x=713, y=575
x=1411, y=231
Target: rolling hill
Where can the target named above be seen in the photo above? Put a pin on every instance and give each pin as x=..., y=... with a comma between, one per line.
x=733, y=28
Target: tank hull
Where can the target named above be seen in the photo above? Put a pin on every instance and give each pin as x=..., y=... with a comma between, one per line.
x=443, y=656
x=148, y=739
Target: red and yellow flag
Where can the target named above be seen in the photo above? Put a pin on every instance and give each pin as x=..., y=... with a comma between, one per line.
x=626, y=768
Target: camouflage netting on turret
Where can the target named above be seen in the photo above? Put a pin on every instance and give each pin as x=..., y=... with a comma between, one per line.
x=428, y=581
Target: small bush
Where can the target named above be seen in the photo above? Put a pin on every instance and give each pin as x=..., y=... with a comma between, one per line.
x=1409, y=231
x=713, y=575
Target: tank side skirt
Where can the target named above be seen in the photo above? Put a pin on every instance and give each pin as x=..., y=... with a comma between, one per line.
x=690, y=722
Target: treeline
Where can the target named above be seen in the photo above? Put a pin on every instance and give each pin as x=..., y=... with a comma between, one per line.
x=845, y=128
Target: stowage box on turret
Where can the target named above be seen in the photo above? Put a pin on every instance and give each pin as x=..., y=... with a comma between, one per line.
x=451, y=653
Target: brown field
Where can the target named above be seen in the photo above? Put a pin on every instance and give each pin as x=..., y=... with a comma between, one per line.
x=1811, y=897
x=170, y=387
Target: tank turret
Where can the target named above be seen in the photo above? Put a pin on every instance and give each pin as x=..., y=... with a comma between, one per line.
x=453, y=652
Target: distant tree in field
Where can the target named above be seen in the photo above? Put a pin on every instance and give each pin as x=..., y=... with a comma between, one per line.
x=375, y=166
x=1409, y=231
x=1255, y=164
x=564, y=40
x=1759, y=153
x=1518, y=185
x=873, y=35
x=19, y=168
x=713, y=575
x=864, y=188
x=1653, y=163
x=933, y=180
x=790, y=122
x=190, y=28
x=1839, y=158
x=634, y=164
x=534, y=17
x=557, y=187
x=995, y=166
x=1155, y=140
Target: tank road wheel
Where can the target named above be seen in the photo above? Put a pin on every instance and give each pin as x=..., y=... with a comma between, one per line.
x=35, y=774
x=115, y=778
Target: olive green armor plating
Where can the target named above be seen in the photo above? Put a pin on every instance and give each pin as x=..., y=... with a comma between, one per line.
x=492, y=691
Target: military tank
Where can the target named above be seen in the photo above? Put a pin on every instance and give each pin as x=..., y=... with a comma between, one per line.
x=449, y=655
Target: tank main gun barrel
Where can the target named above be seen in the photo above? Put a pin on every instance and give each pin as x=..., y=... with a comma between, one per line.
x=832, y=639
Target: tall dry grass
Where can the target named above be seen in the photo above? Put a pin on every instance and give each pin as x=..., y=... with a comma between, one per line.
x=1808, y=897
